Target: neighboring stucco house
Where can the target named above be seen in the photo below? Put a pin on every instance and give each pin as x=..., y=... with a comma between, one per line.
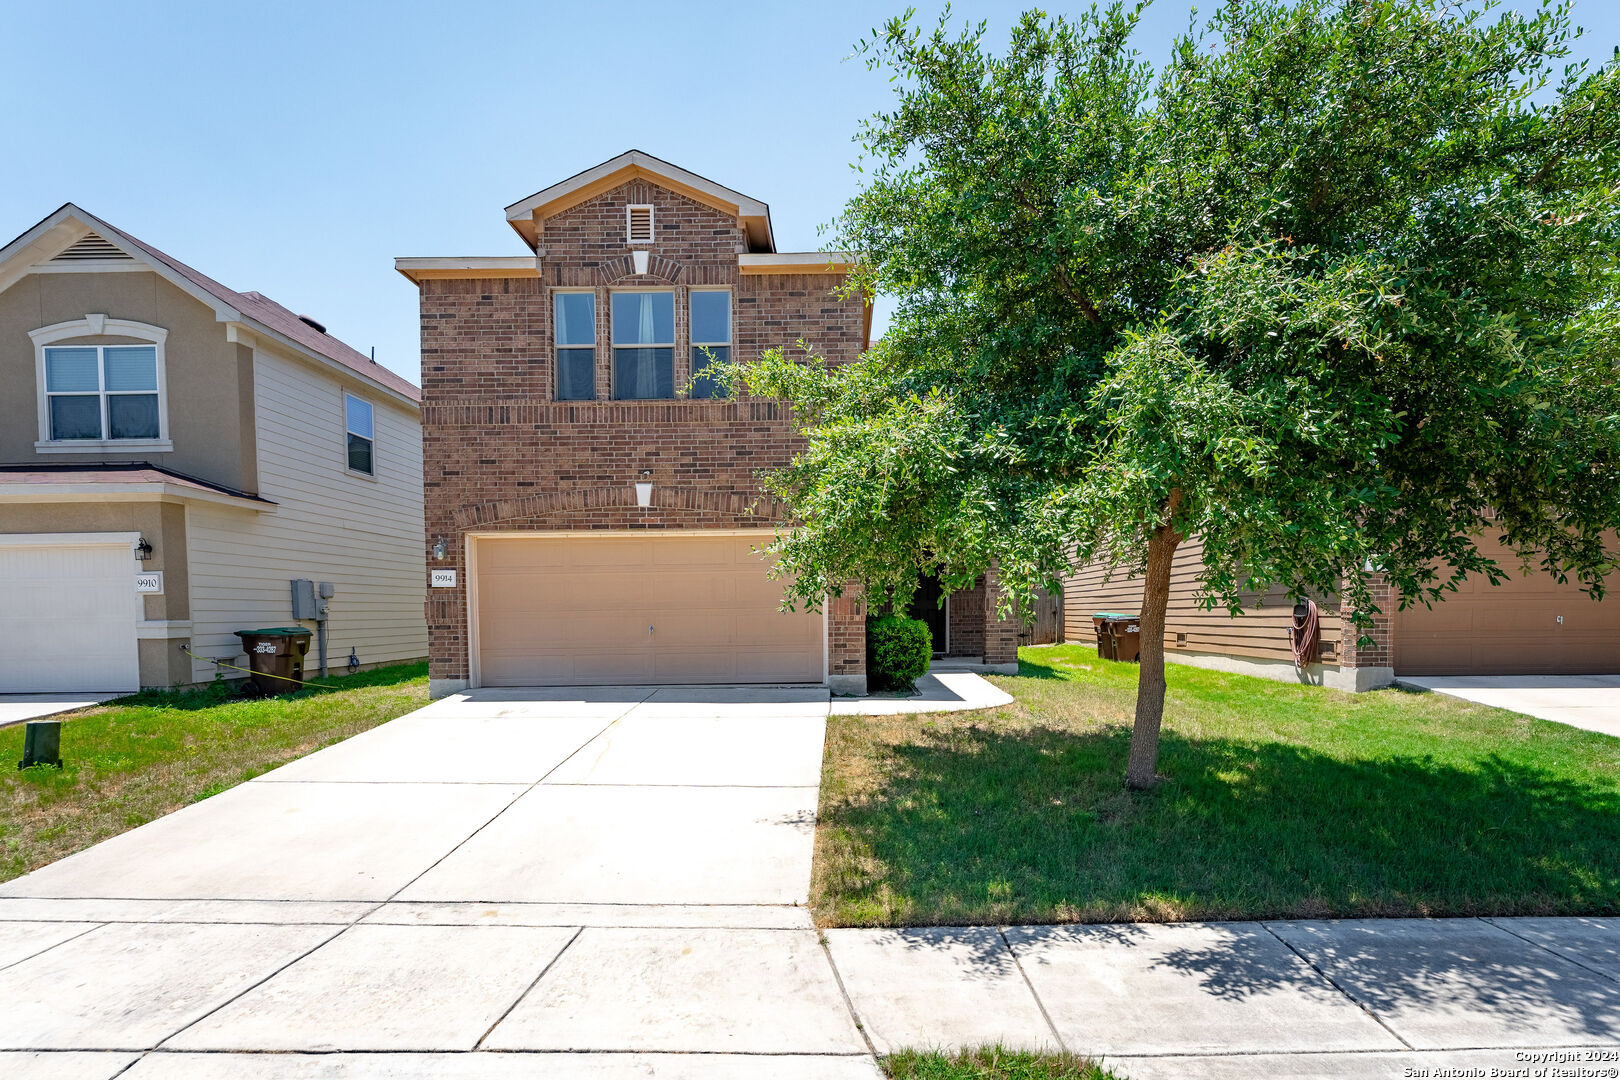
x=588, y=521
x=1528, y=625
x=173, y=454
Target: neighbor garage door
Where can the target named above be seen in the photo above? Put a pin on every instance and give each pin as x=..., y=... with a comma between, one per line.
x=657, y=609
x=1528, y=625
x=67, y=620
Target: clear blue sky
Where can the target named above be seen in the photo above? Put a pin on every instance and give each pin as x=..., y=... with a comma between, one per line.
x=297, y=148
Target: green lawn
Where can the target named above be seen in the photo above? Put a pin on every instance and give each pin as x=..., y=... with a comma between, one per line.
x=141, y=757
x=1280, y=801
x=991, y=1063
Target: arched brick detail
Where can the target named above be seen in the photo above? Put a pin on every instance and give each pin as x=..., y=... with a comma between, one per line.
x=616, y=270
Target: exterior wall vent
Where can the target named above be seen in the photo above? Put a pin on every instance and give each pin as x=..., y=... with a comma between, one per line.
x=638, y=224
x=93, y=247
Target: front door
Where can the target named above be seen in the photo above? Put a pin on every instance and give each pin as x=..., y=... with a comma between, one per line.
x=928, y=603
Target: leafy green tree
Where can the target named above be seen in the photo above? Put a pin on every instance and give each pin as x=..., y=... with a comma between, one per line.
x=1337, y=281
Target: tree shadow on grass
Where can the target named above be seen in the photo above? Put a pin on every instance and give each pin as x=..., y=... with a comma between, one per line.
x=976, y=825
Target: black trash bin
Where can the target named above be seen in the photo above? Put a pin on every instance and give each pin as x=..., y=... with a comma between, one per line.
x=276, y=655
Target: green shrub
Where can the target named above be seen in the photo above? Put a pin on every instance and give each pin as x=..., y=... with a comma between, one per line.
x=898, y=651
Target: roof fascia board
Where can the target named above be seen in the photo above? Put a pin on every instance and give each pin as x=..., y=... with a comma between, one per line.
x=59, y=231
x=647, y=166
x=124, y=493
x=796, y=262
x=500, y=266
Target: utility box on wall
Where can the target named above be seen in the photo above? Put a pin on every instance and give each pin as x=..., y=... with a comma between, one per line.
x=308, y=602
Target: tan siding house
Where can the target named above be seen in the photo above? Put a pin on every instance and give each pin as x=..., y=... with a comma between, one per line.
x=1528, y=625
x=173, y=454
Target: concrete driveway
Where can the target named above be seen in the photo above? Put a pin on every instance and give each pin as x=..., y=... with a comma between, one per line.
x=1584, y=701
x=16, y=708
x=621, y=872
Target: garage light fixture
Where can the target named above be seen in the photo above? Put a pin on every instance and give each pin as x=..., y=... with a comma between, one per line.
x=644, y=490
x=143, y=549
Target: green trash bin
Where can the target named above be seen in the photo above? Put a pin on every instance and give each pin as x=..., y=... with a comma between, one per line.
x=276, y=657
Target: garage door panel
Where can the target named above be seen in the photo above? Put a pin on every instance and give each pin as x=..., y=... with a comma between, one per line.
x=1510, y=629
x=68, y=621
x=577, y=610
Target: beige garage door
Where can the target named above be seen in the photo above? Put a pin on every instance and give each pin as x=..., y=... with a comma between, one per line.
x=1528, y=625
x=591, y=610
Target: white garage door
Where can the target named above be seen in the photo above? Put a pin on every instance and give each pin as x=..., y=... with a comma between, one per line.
x=591, y=610
x=68, y=618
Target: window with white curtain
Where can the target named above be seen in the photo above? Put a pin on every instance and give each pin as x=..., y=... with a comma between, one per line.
x=643, y=345
x=711, y=338
x=102, y=392
x=576, y=346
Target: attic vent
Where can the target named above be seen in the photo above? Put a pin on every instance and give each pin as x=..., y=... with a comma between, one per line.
x=638, y=224
x=307, y=321
x=92, y=247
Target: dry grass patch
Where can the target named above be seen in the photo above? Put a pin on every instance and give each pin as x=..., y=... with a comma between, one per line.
x=1280, y=801
x=135, y=759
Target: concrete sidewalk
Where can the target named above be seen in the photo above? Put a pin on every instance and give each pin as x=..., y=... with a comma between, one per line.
x=613, y=884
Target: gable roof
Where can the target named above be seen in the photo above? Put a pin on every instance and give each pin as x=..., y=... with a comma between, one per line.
x=69, y=224
x=526, y=214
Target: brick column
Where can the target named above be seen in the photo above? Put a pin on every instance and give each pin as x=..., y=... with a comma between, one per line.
x=1000, y=633
x=1371, y=666
x=446, y=611
x=846, y=641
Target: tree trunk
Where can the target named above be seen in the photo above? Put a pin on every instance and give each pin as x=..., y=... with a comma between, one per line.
x=1140, y=771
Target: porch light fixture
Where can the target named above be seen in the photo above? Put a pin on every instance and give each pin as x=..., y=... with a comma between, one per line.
x=644, y=490
x=143, y=549
x=439, y=548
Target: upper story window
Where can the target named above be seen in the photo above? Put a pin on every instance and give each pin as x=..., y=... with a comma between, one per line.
x=359, y=423
x=91, y=396
x=711, y=338
x=643, y=345
x=638, y=224
x=576, y=346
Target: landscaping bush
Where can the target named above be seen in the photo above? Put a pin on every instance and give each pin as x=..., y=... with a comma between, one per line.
x=898, y=651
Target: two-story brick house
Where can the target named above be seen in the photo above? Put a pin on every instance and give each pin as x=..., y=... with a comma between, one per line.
x=173, y=455
x=601, y=521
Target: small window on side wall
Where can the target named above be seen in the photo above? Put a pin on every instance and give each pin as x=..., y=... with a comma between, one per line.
x=711, y=339
x=358, y=422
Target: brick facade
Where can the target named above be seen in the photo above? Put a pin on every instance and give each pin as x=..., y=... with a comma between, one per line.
x=500, y=453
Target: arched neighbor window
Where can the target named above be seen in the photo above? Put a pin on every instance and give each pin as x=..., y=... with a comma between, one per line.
x=96, y=397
